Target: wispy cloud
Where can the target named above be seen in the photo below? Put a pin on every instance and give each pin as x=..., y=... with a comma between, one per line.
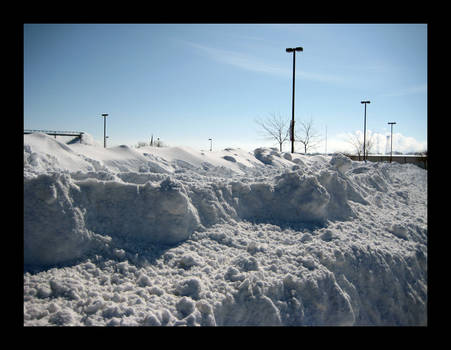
x=238, y=59
x=252, y=63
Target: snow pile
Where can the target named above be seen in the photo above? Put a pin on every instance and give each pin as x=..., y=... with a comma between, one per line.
x=174, y=236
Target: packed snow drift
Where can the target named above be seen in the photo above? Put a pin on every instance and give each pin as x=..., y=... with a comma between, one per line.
x=174, y=236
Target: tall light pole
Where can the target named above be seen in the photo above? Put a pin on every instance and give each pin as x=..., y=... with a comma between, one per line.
x=364, y=131
x=391, y=140
x=211, y=144
x=104, y=115
x=294, y=49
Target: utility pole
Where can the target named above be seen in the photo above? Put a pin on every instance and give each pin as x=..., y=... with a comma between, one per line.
x=104, y=115
x=364, y=131
x=292, y=101
x=391, y=140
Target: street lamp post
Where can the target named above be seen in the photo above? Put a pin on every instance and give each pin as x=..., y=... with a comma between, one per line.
x=391, y=140
x=294, y=49
x=104, y=115
x=364, y=131
x=211, y=144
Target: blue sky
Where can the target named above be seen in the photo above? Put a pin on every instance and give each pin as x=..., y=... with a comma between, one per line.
x=186, y=83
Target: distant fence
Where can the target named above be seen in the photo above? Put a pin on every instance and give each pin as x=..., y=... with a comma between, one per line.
x=56, y=133
x=421, y=161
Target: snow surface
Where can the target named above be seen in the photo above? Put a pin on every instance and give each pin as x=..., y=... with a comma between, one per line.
x=174, y=236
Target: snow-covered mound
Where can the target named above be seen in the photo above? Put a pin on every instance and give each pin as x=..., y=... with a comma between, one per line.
x=175, y=236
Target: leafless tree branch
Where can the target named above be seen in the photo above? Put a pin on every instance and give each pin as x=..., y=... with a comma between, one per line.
x=307, y=135
x=356, y=140
x=275, y=127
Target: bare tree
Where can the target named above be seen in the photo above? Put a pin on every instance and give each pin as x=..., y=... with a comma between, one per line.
x=275, y=127
x=356, y=140
x=307, y=135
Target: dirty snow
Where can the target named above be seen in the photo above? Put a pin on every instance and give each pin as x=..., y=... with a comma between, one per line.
x=178, y=237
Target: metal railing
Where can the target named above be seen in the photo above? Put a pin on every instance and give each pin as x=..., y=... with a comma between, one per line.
x=419, y=160
x=56, y=133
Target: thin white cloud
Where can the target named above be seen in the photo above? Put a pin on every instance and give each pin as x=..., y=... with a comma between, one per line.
x=238, y=59
x=252, y=63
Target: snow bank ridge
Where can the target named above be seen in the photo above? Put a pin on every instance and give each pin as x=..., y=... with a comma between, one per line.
x=295, y=197
x=77, y=210
x=86, y=213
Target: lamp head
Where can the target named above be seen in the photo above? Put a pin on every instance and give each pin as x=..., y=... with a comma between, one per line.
x=294, y=49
